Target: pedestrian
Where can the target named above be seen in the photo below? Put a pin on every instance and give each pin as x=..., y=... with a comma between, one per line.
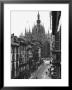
x=48, y=69
x=36, y=77
x=46, y=73
x=50, y=62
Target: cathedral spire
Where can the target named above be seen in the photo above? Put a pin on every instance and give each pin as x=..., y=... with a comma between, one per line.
x=25, y=31
x=38, y=20
x=48, y=32
x=38, y=16
x=29, y=29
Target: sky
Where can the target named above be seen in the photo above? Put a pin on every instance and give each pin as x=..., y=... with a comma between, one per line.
x=27, y=19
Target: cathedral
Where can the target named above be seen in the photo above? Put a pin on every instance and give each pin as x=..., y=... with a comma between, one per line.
x=38, y=35
x=38, y=31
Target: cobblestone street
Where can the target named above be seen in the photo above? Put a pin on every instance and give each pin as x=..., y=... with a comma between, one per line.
x=42, y=72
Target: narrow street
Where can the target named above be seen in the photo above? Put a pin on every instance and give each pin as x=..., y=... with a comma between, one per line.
x=42, y=72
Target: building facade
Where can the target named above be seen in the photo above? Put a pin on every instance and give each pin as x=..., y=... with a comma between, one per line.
x=18, y=55
x=56, y=44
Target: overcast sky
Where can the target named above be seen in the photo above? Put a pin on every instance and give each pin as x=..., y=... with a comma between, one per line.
x=27, y=19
